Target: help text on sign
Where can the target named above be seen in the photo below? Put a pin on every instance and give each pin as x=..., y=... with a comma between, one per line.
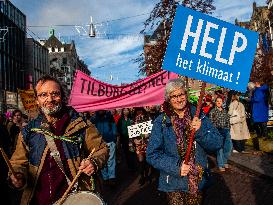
x=208, y=49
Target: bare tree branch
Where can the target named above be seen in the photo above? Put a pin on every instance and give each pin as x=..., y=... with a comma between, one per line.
x=162, y=16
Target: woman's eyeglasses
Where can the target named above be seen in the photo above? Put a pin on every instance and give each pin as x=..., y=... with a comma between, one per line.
x=175, y=97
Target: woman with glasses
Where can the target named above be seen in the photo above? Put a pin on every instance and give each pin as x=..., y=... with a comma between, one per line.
x=169, y=140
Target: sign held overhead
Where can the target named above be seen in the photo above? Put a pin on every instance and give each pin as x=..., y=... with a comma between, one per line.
x=209, y=49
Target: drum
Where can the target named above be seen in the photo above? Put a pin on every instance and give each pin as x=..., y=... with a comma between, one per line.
x=83, y=198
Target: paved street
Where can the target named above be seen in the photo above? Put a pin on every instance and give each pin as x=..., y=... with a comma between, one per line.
x=235, y=187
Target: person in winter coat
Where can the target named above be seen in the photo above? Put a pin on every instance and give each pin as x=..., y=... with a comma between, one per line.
x=140, y=146
x=238, y=131
x=43, y=177
x=208, y=104
x=5, y=145
x=124, y=121
x=14, y=127
x=183, y=183
x=220, y=119
x=259, y=103
x=106, y=126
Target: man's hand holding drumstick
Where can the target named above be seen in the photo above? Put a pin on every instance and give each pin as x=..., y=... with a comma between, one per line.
x=87, y=167
x=17, y=178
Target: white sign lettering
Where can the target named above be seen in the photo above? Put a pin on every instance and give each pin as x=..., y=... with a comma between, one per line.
x=141, y=128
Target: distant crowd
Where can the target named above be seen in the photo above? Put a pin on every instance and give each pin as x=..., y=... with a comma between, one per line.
x=231, y=113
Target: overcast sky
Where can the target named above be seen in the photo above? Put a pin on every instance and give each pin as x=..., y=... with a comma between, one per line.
x=109, y=57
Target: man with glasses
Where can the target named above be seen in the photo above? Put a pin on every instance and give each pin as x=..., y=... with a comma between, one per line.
x=53, y=147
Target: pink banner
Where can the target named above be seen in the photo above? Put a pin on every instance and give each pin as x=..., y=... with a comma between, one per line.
x=89, y=94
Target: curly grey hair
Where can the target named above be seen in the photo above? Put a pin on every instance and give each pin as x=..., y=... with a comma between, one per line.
x=172, y=85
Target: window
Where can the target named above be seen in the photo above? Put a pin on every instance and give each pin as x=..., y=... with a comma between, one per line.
x=2, y=7
x=64, y=61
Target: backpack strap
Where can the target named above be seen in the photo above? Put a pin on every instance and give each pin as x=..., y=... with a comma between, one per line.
x=56, y=155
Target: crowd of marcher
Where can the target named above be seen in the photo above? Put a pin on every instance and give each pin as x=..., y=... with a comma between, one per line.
x=222, y=127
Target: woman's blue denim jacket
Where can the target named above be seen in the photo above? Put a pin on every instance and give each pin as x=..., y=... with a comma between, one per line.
x=162, y=152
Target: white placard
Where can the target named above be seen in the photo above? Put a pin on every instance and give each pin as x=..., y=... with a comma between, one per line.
x=140, y=128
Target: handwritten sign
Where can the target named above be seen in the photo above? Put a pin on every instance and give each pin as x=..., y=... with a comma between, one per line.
x=208, y=49
x=28, y=99
x=140, y=128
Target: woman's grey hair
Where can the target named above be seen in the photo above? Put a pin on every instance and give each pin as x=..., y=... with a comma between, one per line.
x=172, y=85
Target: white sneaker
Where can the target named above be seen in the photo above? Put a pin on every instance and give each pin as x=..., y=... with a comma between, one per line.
x=235, y=151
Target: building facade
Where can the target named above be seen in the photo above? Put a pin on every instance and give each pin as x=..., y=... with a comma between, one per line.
x=83, y=67
x=63, y=60
x=154, y=46
x=37, y=61
x=270, y=19
x=270, y=24
x=259, y=18
x=261, y=22
x=12, y=52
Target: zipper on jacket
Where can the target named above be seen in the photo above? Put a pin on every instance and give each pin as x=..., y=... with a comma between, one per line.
x=167, y=180
x=50, y=181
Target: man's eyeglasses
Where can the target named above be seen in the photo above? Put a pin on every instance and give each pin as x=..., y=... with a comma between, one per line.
x=175, y=97
x=54, y=94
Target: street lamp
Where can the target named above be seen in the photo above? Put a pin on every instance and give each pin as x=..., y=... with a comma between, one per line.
x=92, y=32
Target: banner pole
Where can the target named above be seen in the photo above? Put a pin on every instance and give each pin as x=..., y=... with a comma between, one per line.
x=198, y=109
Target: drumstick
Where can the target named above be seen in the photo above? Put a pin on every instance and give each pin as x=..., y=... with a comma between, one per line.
x=74, y=180
x=7, y=161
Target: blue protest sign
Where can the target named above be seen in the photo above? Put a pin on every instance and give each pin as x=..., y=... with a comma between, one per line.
x=209, y=49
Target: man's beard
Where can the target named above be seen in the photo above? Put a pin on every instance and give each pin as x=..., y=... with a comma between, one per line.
x=52, y=111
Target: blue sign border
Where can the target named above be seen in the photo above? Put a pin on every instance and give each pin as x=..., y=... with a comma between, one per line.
x=233, y=74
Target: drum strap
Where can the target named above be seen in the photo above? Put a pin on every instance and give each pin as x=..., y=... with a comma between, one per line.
x=56, y=155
